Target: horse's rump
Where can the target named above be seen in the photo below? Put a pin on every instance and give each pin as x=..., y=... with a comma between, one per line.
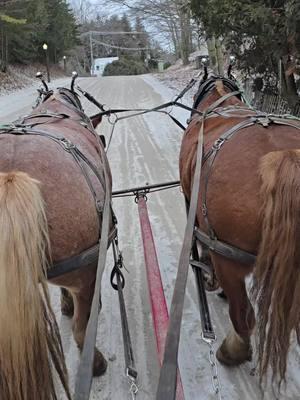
x=70, y=206
x=233, y=181
x=249, y=199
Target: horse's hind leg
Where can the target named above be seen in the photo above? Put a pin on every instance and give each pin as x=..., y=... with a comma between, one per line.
x=83, y=297
x=236, y=347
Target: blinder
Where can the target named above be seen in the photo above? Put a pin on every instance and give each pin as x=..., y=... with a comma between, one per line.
x=206, y=85
x=70, y=97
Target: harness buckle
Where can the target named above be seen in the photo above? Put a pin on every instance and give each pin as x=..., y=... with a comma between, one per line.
x=67, y=144
x=99, y=206
x=218, y=144
x=264, y=121
x=204, y=209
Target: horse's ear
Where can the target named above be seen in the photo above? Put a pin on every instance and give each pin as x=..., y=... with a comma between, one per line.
x=96, y=119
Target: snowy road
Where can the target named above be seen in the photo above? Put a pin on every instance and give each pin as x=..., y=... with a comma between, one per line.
x=145, y=149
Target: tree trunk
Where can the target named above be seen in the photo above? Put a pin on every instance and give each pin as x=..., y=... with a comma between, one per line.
x=3, y=49
x=212, y=52
x=289, y=89
x=174, y=36
x=185, y=35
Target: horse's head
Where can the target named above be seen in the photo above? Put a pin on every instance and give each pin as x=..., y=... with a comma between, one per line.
x=213, y=88
x=69, y=99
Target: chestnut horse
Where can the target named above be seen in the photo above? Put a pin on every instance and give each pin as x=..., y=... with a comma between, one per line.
x=250, y=199
x=50, y=212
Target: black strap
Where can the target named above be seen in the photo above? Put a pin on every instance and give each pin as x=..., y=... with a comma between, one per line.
x=206, y=324
x=82, y=260
x=145, y=111
x=225, y=249
x=117, y=275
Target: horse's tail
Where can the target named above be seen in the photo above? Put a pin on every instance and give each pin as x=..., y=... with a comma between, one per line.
x=28, y=329
x=276, y=283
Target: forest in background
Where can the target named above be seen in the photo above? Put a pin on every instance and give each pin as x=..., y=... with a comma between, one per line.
x=25, y=25
x=263, y=35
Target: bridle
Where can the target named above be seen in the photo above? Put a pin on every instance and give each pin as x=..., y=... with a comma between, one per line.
x=71, y=97
x=207, y=85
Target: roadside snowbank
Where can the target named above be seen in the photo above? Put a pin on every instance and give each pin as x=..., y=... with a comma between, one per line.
x=19, y=76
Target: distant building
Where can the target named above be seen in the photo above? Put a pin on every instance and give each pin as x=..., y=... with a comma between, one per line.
x=101, y=63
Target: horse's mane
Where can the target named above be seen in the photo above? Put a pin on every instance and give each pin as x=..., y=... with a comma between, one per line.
x=70, y=97
x=220, y=88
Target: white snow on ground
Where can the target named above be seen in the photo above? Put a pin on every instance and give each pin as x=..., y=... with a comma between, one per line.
x=146, y=149
x=19, y=103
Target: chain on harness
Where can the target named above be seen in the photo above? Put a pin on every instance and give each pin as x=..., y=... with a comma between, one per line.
x=118, y=283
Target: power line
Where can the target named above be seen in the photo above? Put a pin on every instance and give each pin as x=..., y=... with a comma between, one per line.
x=107, y=33
x=121, y=48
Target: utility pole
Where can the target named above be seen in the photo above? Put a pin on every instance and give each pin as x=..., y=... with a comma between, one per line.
x=45, y=48
x=65, y=64
x=92, y=54
x=280, y=76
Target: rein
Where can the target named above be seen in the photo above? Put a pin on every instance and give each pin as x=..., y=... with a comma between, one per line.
x=85, y=370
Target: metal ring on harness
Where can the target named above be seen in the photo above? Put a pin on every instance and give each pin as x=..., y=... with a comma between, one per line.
x=141, y=194
x=112, y=119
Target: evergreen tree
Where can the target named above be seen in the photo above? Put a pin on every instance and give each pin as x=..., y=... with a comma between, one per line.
x=263, y=34
x=26, y=24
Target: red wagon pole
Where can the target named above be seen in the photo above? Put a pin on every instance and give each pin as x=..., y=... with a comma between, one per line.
x=159, y=308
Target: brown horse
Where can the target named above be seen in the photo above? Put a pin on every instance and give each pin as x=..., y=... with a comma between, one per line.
x=250, y=198
x=50, y=212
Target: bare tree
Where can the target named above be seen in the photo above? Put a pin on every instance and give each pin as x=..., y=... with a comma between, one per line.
x=169, y=18
x=84, y=10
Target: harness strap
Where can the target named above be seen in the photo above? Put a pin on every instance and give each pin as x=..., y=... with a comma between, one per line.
x=82, y=260
x=168, y=374
x=225, y=249
x=208, y=333
x=211, y=155
x=117, y=275
x=85, y=370
x=77, y=155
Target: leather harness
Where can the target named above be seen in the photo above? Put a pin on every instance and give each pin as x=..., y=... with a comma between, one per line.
x=249, y=117
x=167, y=381
x=211, y=240
x=20, y=127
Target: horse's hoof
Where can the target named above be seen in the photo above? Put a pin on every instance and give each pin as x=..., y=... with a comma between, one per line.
x=100, y=364
x=239, y=353
x=66, y=303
